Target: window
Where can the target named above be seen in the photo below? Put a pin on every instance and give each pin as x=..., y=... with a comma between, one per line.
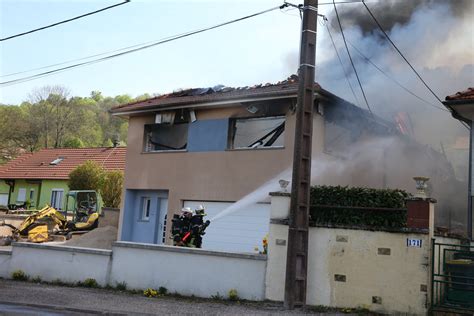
x=21, y=195
x=257, y=132
x=146, y=206
x=57, y=198
x=56, y=161
x=160, y=137
x=32, y=194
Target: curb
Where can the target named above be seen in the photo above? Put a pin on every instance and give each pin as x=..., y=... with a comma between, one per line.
x=65, y=308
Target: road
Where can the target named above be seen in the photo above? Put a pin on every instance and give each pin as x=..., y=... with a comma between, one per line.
x=27, y=298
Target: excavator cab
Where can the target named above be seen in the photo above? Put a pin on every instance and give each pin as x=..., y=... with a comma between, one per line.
x=85, y=208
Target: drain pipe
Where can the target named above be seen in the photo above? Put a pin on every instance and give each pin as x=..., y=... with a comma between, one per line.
x=469, y=187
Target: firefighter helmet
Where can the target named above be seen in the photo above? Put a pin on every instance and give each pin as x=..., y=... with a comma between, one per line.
x=199, y=210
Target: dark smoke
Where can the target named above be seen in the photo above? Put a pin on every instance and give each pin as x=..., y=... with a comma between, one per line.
x=393, y=12
x=436, y=36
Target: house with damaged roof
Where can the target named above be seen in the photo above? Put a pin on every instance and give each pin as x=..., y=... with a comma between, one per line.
x=214, y=146
x=36, y=179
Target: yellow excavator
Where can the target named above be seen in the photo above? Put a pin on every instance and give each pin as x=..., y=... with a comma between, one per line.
x=48, y=222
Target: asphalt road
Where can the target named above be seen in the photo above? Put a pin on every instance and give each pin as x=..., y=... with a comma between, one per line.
x=26, y=298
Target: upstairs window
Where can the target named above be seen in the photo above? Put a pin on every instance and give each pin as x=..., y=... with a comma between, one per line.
x=160, y=137
x=170, y=131
x=252, y=133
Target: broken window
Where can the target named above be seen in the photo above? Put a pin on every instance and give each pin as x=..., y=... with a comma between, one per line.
x=257, y=132
x=160, y=137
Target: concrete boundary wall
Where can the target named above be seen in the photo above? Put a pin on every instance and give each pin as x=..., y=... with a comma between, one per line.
x=5, y=258
x=387, y=272
x=189, y=271
x=68, y=264
x=183, y=270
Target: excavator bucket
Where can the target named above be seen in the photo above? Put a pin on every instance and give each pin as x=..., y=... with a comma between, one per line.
x=38, y=234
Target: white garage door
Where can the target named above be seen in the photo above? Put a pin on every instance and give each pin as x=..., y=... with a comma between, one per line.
x=241, y=231
x=3, y=199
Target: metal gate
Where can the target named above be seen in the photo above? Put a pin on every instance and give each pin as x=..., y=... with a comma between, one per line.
x=452, y=277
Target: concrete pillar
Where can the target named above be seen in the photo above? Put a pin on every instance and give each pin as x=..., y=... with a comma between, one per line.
x=277, y=246
x=420, y=213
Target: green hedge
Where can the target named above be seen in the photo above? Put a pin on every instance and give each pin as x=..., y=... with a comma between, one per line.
x=323, y=197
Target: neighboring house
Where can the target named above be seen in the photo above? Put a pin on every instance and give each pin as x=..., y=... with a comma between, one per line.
x=461, y=106
x=213, y=146
x=41, y=177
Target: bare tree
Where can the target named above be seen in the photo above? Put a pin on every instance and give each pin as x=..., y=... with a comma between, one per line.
x=50, y=104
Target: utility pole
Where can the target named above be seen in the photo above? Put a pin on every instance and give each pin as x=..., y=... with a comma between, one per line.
x=297, y=255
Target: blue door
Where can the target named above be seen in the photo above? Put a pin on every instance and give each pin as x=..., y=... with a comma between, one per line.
x=144, y=213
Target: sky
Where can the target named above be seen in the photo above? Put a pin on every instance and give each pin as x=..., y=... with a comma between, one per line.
x=244, y=53
x=259, y=50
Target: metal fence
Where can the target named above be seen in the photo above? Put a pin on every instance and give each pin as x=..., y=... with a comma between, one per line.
x=452, y=277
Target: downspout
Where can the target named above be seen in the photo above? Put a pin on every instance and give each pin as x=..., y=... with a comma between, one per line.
x=38, y=198
x=11, y=184
x=469, y=187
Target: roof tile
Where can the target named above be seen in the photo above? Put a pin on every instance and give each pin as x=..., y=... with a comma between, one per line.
x=462, y=95
x=37, y=165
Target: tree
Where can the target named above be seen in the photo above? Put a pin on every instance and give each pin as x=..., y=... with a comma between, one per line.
x=112, y=188
x=73, y=142
x=88, y=176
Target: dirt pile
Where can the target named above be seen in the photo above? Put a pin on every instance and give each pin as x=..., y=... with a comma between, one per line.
x=101, y=238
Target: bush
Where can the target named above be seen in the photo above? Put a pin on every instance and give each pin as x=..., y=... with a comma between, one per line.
x=233, y=295
x=90, y=282
x=326, y=203
x=58, y=282
x=121, y=286
x=19, y=275
x=36, y=279
x=111, y=189
x=88, y=176
x=162, y=290
x=150, y=292
x=91, y=176
x=217, y=297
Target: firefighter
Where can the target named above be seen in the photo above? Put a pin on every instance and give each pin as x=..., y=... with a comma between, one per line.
x=181, y=226
x=197, y=226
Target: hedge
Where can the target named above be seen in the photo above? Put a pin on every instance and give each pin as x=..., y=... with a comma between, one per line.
x=327, y=206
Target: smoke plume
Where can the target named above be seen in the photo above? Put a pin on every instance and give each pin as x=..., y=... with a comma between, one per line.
x=437, y=37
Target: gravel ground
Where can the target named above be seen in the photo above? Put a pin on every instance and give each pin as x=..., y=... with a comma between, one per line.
x=70, y=300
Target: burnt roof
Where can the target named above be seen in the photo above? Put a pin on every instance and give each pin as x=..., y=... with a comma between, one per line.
x=462, y=95
x=217, y=93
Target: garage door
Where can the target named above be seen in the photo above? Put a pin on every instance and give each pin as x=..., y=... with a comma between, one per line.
x=241, y=231
x=3, y=199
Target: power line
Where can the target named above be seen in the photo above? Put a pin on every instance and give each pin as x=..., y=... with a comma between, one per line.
x=342, y=65
x=88, y=57
x=129, y=47
x=159, y=42
x=394, y=80
x=350, y=58
x=64, y=21
x=400, y=53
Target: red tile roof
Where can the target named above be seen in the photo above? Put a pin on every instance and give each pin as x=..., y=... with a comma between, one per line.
x=463, y=95
x=37, y=165
x=214, y=94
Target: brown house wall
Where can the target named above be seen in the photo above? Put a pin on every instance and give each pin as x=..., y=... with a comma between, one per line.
x=213, y=176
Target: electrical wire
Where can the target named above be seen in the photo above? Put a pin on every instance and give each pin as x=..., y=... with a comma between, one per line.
x=352, y=62
x=342, y=65
x=399, y=52
x=133, y=46
x=159, y=42
x=367, y=59
x=64, y=21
